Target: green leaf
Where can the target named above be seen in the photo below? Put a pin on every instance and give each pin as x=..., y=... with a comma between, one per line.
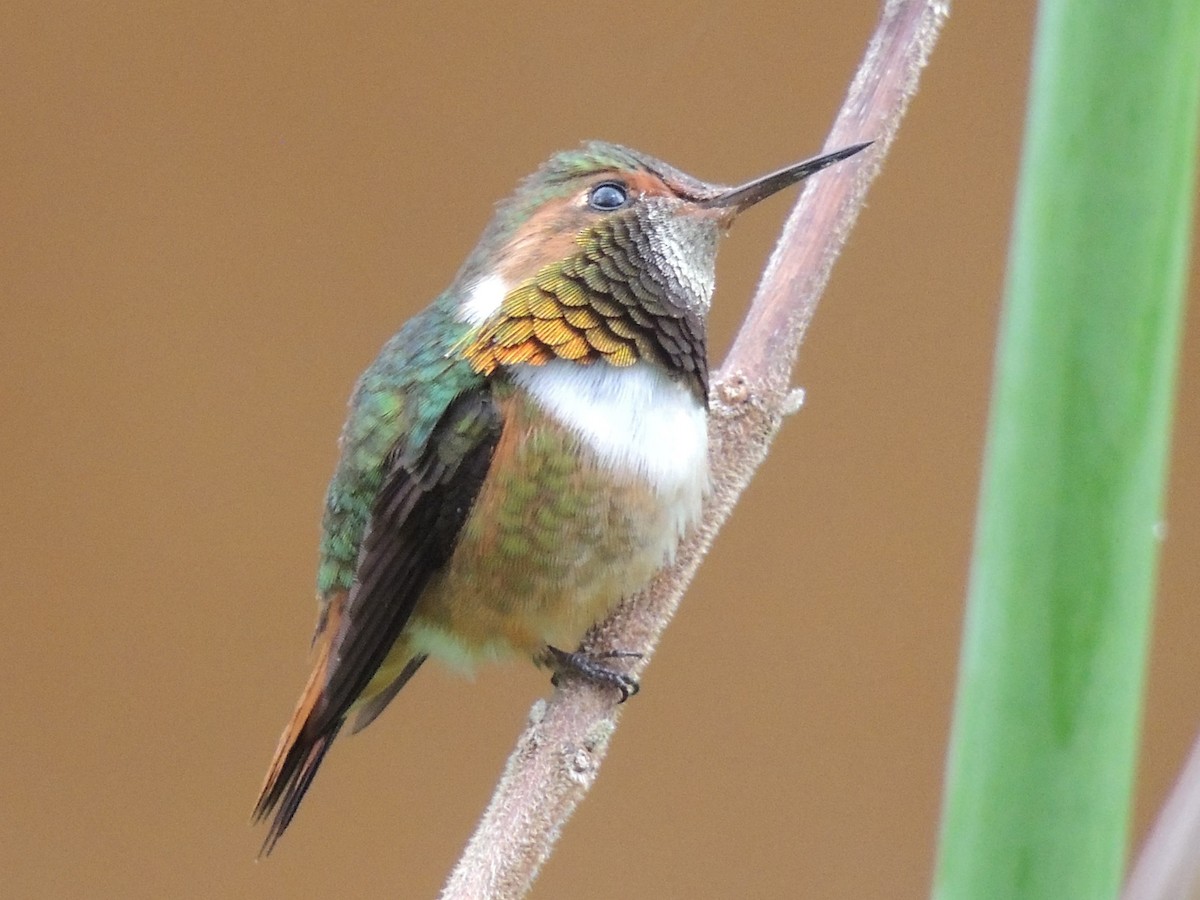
x=1045, y=730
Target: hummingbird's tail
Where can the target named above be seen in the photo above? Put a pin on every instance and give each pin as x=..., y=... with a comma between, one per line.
x=317, y=721
x=283, y=795
x=302, y=745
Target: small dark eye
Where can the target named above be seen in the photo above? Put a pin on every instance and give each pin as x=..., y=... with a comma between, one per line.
x=608, y=195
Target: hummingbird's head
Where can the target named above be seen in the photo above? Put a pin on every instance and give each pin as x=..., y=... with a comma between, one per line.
x=611, y=230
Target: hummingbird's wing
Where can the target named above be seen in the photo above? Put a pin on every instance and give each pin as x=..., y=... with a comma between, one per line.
x=427, y=491
x=414, y=526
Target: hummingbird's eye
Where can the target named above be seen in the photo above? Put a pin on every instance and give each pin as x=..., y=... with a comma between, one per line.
x=607, y=196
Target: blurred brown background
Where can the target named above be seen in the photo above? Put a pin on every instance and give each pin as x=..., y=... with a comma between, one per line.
x=213, y=216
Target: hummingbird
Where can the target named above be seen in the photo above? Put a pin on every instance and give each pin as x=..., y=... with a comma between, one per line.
x=525, y=452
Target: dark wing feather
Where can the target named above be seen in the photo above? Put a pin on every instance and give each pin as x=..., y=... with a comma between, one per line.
x=413, y=531
x=414, y=526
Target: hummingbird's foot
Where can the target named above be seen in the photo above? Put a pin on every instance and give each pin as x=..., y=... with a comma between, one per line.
x=585, y=665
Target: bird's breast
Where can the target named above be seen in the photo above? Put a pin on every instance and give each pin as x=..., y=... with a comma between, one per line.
x=637, y=421
x=598, y=472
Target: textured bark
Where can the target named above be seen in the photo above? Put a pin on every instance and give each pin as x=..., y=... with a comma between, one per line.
x=559, y=754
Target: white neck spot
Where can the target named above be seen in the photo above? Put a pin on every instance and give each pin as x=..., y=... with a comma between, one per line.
x=483, y=300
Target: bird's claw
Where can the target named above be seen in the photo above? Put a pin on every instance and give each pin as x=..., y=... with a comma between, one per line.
x=585, y=665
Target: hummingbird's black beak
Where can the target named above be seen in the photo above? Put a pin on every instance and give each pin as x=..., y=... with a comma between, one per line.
x=746, y=195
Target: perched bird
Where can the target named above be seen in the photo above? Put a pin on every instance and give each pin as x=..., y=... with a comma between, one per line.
x=526, y=451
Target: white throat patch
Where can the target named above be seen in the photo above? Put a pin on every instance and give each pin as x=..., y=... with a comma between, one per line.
x=637, y=420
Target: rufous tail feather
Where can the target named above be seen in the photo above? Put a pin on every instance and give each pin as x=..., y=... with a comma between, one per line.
x=303, y=744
